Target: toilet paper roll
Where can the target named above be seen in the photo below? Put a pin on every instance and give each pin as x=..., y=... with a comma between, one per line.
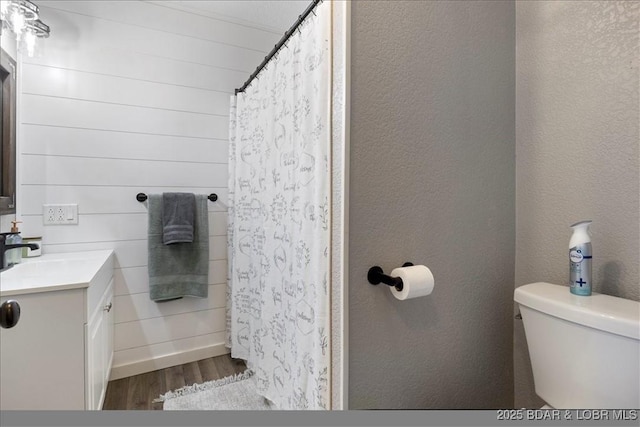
x=417, y=281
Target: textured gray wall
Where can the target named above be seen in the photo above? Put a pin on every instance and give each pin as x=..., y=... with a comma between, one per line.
x=577, y=148
x=432, y=181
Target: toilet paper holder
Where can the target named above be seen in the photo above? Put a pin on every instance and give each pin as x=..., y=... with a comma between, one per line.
x=376, y=276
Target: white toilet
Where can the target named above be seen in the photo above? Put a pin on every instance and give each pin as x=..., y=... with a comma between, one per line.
x=585, y=351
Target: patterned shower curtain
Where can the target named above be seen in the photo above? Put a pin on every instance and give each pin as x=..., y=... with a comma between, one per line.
x=279, y=213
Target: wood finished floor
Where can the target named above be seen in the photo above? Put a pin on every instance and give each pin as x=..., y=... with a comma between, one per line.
x=139, y=391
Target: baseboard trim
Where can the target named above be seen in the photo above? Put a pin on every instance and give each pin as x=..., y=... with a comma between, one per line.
x=162, y=362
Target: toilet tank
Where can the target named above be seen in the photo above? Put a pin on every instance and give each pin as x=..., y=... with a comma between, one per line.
x=585, y=351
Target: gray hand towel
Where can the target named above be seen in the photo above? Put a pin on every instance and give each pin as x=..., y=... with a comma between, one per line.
x=178, y=270
x=178, y=215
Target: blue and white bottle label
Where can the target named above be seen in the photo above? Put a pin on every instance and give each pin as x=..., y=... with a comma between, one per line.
x=576, y=256
x=580, y=269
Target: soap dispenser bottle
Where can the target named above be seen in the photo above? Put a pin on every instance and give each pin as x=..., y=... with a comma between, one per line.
x=580, y=259
x=14, y=256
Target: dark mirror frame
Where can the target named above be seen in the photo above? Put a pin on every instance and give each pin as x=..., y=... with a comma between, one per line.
x=8, y=134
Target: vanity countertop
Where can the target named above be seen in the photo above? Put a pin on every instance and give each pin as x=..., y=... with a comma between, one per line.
x=54, y=272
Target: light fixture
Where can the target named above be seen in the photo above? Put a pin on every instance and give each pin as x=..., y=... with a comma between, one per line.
x=21, y=17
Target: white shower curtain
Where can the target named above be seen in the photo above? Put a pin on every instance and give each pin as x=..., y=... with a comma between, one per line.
x=279, y=213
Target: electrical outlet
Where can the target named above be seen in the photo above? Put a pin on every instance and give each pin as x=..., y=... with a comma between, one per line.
x=49, y=214
x=60, y=214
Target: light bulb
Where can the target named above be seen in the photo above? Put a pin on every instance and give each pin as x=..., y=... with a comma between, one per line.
x=17, y=23
x=30, y=42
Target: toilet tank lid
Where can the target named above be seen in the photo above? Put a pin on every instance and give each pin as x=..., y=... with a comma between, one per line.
x=607, y=313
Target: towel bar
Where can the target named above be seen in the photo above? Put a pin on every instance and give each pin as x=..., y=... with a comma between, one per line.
x=141, y=197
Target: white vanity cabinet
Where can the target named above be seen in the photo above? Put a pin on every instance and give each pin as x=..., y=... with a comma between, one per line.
x=59, y=354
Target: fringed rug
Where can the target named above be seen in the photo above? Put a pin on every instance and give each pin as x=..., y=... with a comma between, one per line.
x=236, y=393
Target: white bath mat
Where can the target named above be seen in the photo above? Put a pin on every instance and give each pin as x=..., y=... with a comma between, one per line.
x=236, y=393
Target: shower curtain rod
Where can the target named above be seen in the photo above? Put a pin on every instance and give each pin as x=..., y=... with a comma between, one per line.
x=278, y=45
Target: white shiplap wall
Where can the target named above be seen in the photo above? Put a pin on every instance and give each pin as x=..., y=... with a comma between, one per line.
x=8, y=44
x=133, y=97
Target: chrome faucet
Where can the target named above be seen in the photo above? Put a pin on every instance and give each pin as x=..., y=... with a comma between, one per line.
x=4, y=248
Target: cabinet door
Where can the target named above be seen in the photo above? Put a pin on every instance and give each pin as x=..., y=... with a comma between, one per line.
x=100, y=348
x=42, y=357
x=95, y=356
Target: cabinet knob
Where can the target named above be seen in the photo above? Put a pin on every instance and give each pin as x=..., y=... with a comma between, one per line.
x=9, y=314
x=107, y=307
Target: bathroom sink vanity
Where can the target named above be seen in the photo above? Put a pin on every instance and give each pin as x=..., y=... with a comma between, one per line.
x=59, y=353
